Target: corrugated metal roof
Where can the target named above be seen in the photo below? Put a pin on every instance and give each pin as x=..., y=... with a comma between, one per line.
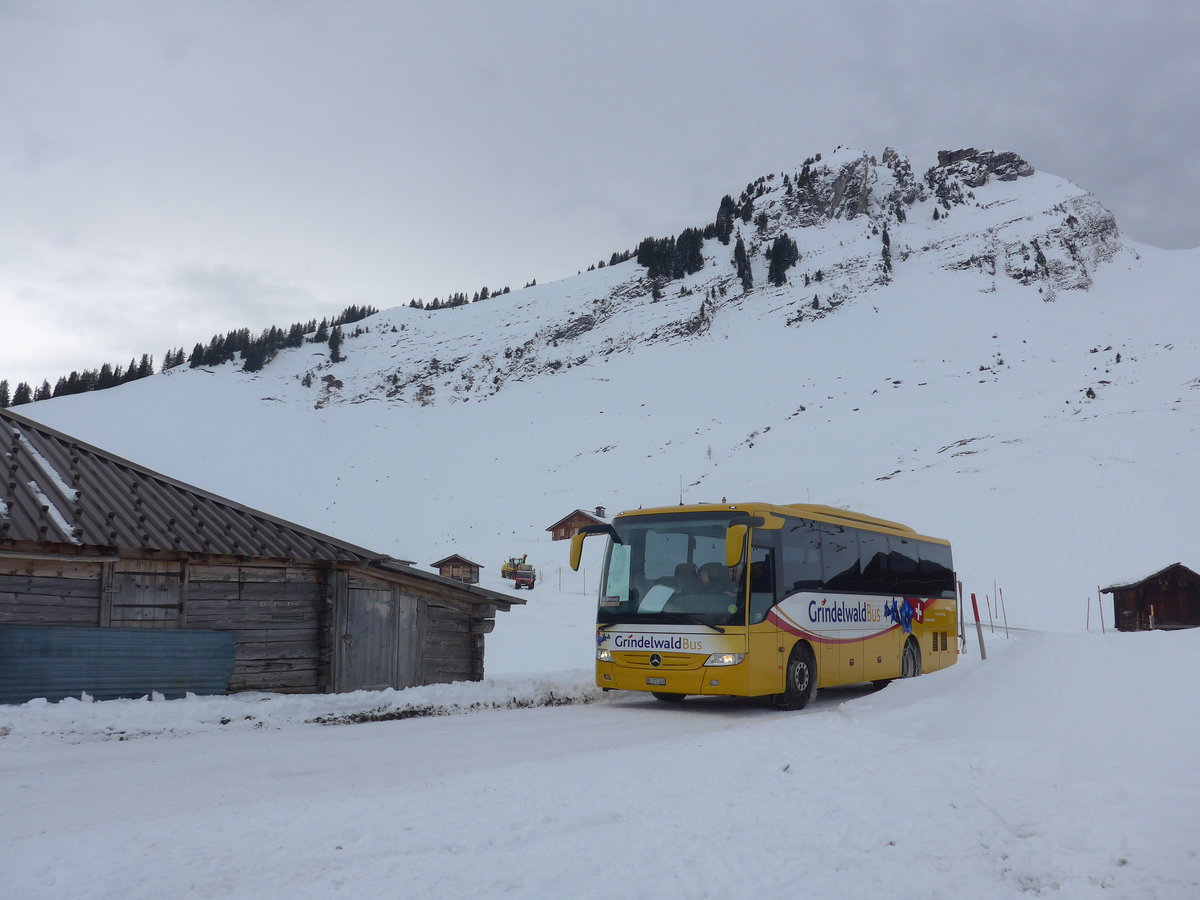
x=56, y=661
x=59, y=490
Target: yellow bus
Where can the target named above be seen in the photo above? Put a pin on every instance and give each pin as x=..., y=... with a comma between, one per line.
x=764, y=600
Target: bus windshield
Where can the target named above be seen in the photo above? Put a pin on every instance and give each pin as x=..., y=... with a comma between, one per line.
x=671, y=569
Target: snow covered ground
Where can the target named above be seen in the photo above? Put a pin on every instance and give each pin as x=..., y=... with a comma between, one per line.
x=954, y=401
x=1061, y=766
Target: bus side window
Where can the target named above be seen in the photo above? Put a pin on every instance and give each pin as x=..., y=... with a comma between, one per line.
x=873, y=559
x=801, y=557
x=937, y=571
x=839, y=558
x=904, y=562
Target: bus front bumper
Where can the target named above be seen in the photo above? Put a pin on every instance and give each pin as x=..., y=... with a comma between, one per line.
x=698, y=679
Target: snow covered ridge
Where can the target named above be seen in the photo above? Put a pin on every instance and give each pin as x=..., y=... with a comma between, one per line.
x=83, y=719
x=857, y=224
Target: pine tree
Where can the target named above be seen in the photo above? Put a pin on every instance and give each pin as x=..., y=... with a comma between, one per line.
x=742, y=262
x=783, y=255
x=726, y=213
x=5, y=399
x=107, y=377
x=335, y=344
x=255, y=357
x=22, y=395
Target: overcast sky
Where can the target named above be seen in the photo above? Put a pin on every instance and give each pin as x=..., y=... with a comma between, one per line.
x=172, y=170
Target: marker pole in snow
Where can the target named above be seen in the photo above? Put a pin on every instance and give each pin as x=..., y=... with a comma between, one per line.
x=991, y=622
x=1087, y=622
x=1004, y=612
x=1100, y=606
x=978, y=628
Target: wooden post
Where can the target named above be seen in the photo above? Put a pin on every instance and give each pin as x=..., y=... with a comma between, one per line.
x=1087, y=620
x=185, y=574
x=978, y=628
x=107, y=571
x=1100, y=605
x=1004, y=610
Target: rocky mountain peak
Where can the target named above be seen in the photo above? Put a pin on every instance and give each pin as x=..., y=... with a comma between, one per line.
x=794, y=247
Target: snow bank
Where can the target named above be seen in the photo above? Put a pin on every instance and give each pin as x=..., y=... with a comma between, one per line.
x=83, y=719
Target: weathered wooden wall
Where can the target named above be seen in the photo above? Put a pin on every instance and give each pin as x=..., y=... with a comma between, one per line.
x=449, y=651
x=294, y=623
x=278, y=611
x=280, y=616
x=463, y=572
x=413, y=637
x=49, y=592
x=565, y=530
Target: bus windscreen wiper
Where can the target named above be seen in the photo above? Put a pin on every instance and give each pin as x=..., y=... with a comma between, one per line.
x=696, y=620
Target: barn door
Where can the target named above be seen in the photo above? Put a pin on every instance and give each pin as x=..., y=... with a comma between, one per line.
x=146, y=594
x=377, y=640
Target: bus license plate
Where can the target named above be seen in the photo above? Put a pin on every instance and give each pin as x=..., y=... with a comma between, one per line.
x=657, y=682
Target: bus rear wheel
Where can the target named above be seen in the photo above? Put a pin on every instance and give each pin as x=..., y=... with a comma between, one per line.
x=910, y=662
x=668, y=698
x=801, y=675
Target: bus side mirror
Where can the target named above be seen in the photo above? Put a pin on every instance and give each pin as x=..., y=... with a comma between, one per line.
x=576, y=549
x=577, y=540
x=735, y=544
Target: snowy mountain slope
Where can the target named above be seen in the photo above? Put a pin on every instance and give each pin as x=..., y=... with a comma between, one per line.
x=950, y=392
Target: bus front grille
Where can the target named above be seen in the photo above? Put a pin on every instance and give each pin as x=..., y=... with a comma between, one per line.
x=667, y=660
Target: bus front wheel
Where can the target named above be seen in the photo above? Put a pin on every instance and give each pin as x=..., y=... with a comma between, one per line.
x=910, y=663
x=801, y=675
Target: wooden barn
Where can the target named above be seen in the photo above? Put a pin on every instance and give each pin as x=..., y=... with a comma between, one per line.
x=566, y=527
x=1169, y=599
x=459, y=568
x=104, y=560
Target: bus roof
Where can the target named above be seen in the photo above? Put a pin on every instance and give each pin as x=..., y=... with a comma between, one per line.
x=814, y=511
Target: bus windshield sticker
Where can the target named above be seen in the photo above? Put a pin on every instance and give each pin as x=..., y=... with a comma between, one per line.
x=617, y=577
x=656, y=598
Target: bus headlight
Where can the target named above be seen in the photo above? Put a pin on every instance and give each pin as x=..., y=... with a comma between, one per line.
x=603, y=655
x=724, y=659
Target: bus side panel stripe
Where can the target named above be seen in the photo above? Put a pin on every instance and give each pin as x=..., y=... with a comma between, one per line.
x=783, y=623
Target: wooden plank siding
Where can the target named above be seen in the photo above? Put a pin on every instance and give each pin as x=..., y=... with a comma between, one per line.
x=49, y=592
x=449, y=647
x=290, y=618
x=276, y=612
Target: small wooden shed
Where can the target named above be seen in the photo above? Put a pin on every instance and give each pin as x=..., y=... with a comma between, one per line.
x=566, y=527
x=459, y=568
x=92, y=544
x=1169, y=599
